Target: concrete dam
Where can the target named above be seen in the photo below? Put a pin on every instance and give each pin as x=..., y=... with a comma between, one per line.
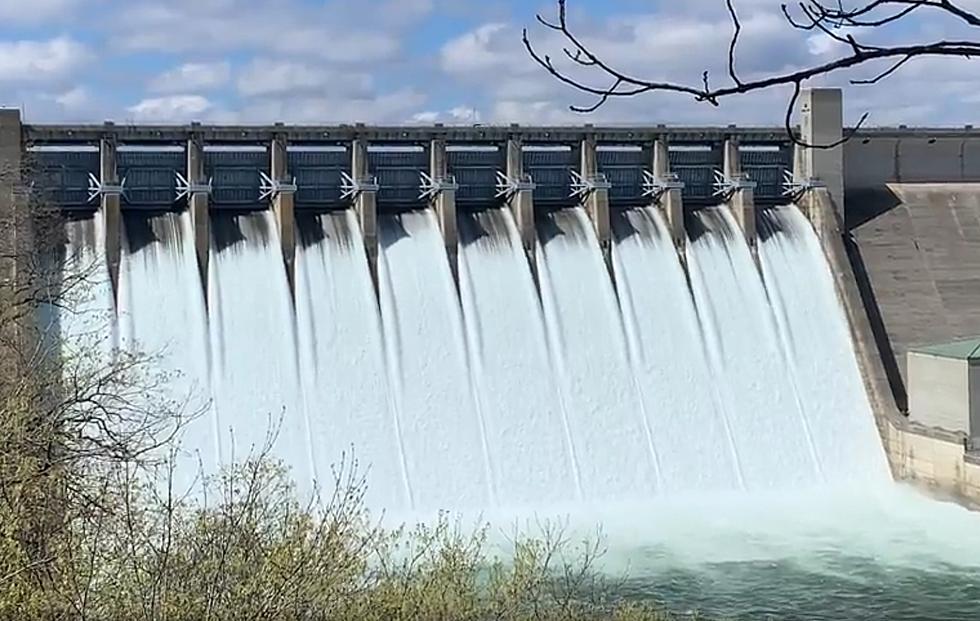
x=497, y=317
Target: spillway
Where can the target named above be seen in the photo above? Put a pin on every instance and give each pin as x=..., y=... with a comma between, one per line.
x=815, y=337
x=689, y=418
x=252, y=336
x=347, y=398
x=607, y=422
x=769, y=422
x=716, y=397
x=526, y=419
x=652, y=381
x=447, y=459
x=159, y=280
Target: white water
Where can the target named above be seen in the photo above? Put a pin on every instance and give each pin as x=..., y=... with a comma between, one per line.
x=491, y=397
x=254, y=366
x=815, y=336
x=441, y=425
x=526, y=421
x=770, y=427
x=689, y=418
x=159, y=279
x=607, y=420
x=710, y=430
x=344, y=383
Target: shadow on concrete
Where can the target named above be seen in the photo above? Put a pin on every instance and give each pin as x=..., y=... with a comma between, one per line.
x=865, y=205
x=882, y=341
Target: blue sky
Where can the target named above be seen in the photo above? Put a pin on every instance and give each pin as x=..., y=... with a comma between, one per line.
x=397, y=61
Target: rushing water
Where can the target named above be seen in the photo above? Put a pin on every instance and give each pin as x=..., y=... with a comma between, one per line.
x=705, y=407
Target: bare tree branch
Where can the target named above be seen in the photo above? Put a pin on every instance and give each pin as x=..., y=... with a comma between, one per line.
x=833, y=21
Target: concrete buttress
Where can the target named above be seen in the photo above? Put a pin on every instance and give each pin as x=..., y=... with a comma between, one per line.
x=283, y=208
x=597, y=200
x=742, y=201
x=521, y=203
x=197, y=204
x=671, y=201
x=821, y=125
x=366, y=207
x=111, y=208
x=444, y=204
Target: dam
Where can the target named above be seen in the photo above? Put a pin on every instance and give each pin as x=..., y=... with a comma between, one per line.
x=515, y=320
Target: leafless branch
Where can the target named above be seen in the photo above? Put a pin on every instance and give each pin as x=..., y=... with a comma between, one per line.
x=836, y=22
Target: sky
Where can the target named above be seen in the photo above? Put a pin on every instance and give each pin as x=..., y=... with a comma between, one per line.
x=425, y=61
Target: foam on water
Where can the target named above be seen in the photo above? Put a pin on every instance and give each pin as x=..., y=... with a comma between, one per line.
x=442, y=428
x=255, y=374
x=344, y=382
x=814, y=333
x=526, y=421
x=159, y=279
x=606, y=418
x=770, y=429
x=688, y=418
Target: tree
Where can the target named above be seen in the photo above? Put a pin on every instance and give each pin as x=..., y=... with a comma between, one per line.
x=844, y=22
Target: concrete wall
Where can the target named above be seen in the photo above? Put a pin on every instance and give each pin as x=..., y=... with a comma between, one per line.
x=935, y=463
x=975, y=401
x=939, y=392
x=875, y=159
x=934, y=460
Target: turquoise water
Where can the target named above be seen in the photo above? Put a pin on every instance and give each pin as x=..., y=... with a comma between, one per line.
x=887, y=553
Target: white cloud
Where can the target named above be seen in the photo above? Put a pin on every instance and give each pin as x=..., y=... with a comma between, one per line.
x=191, y=77
x=74, y=99
x=428, y=116
x=277, y=27
x=36, y=10
x=41, y=61
x=277, y=77
x=173, y=108
x=393, y=107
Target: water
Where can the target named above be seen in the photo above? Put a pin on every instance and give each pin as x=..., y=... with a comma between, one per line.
x=348, y=401
x=438, y=412
x=159, y=278
x=682, y=401
x=770, y=427
x=255, y=377
x=526, y=419
x=817, y=342
x=607, y=420
x=690, y=420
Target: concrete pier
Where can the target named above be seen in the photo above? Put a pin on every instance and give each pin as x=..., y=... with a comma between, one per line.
x=366, y=207
x=197, y=204
x=671, y=202
x=13, y=229
x=597, y=200
x=111, y=208
x=444, y=204
x=521, y=203
x=821, y=124
x=283, y=207
x=742, y=201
